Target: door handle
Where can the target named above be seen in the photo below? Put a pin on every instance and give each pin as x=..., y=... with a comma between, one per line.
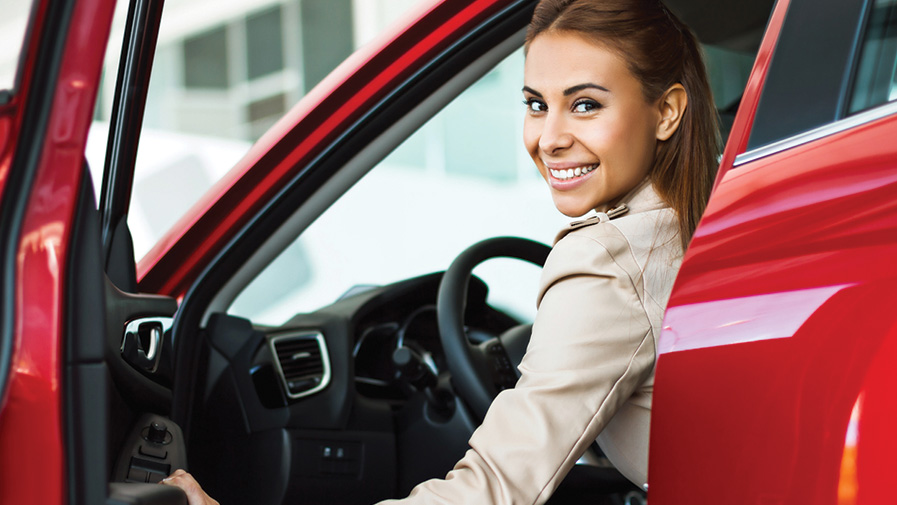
x=142, y=341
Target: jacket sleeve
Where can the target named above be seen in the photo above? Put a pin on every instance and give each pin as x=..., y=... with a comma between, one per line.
x=591, y=348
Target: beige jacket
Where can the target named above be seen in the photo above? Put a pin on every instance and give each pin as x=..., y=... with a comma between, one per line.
x=589, y=369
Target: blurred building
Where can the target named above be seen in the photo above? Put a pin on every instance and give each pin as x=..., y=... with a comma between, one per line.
x=231, y=68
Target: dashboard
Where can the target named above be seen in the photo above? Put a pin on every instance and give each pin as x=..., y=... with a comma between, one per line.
x=353, y=400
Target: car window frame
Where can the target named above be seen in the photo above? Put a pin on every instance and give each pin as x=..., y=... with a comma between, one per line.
x=785, y=119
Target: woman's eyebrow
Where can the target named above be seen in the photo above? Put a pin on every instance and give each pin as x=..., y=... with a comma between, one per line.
x=579, y=87
x=569, y=91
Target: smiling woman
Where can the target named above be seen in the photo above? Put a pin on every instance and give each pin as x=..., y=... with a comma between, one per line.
x=668, y=67
x=617, y=131
x=591, y=142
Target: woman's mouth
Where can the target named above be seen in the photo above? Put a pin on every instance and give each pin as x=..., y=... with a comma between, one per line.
x=571, y=173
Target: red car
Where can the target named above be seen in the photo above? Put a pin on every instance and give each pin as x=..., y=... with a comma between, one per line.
x=774, y=378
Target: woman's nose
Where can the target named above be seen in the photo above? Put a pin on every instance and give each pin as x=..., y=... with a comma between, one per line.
x=555, y=134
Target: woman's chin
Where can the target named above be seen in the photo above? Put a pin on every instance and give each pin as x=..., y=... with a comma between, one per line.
x=572, y=211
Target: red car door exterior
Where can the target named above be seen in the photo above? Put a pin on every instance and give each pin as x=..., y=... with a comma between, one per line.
x=775, y=378
x=43, y=130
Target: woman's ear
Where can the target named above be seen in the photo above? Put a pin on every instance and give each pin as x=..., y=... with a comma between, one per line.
x=672, y=107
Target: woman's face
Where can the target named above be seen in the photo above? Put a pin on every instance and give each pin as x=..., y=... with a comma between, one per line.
x=588, y=127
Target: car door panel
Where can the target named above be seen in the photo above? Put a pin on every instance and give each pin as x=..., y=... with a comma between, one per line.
x=57, y=92
x=54, y=418
x=772, y=355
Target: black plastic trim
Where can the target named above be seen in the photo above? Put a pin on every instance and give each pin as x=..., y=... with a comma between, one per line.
x=84, y=282
x=86, y=430
x=86, y=376
x=401, y=100
x=805, y=85
x=26, y=160
x=142, y=390
x=141, y=33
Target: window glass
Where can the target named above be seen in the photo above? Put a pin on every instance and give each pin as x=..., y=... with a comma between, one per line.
x=463, y=177
x=876, y=77
x=12, y=37
x=224, y=71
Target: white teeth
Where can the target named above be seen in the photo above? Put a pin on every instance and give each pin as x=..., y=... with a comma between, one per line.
x=571, y=172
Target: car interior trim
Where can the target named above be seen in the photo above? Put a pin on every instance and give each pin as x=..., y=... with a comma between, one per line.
x=86, y=413
x=847, y=123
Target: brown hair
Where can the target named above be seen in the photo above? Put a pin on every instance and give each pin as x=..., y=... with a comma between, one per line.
x=660, y=51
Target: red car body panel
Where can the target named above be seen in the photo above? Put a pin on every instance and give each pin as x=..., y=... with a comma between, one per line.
x=774, y=382
x=317, y=120
x=31, y=426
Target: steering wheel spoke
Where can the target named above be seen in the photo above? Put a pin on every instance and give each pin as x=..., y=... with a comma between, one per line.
x=480, y=372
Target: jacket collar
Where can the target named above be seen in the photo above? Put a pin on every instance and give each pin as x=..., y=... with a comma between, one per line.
x=641, y=198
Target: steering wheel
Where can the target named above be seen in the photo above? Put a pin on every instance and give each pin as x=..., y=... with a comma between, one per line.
x=480, y=372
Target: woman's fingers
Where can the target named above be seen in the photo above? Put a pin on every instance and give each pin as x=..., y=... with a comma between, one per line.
x=185, y=481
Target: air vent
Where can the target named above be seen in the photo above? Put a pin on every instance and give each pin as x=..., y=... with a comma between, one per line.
x=302, y=362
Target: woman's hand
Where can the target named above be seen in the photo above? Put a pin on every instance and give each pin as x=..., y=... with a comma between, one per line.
x=185, y=481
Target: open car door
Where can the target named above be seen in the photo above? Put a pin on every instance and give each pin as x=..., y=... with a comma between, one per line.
x=76, y=343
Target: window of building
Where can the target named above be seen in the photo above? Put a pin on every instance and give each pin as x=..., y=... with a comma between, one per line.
x=264, y=43
x=206, y=60
x=326, y=37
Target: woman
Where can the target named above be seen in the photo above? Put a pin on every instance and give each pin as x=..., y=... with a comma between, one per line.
x=619, y=121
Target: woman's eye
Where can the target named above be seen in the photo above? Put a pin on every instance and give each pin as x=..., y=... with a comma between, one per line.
x=534, y=105
x=586, y=106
